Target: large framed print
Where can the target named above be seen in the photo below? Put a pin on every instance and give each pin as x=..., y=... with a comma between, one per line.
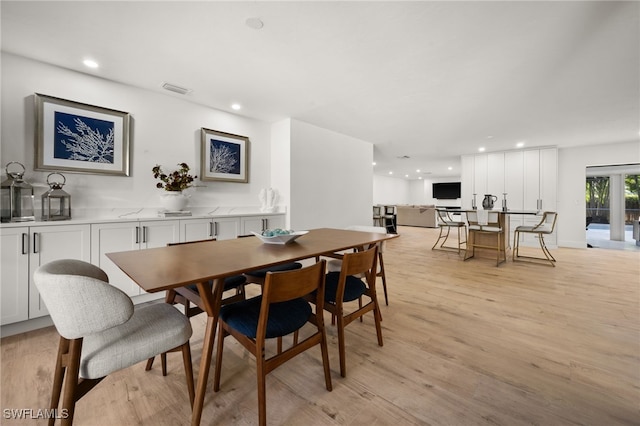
x=76, y=137
x=224, y=157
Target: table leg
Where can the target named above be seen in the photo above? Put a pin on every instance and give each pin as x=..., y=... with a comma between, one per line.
x=211, y=298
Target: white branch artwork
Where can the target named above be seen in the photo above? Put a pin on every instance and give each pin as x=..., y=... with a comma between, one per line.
x=87, y=144
x=222, y=159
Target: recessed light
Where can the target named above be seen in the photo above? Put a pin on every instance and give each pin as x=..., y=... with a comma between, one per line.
x=255, y=23
x=418, y=171
x=406, y=176
x=90, y=63
x=520, y=144
x=481, y=149
x=449, y=168
x=390, y=173
x=419, y=177
x=236, y=107
x=374, y=163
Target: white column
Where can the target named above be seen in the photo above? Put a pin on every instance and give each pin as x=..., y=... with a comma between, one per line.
x=616, y=206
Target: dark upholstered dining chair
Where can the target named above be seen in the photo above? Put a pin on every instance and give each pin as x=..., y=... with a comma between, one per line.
x=279, y=311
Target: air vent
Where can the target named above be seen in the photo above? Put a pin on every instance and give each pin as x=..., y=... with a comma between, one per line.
x=426, y=173
x=177, y=89
x=404, y=157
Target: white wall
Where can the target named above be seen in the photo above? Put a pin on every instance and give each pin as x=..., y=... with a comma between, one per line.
x=331, y=176
x=280, y=161
x=165, y=131
x=572, y=164
x=391, y=191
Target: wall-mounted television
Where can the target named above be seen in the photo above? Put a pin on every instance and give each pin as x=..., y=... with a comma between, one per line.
x=446, y=190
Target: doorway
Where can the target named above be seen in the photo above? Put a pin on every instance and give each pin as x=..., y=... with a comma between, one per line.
x=612, y=206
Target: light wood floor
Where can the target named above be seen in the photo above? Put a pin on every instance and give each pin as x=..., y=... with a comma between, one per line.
x=465, y=343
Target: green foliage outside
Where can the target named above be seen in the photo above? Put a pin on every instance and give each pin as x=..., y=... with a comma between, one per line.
x=597, y=197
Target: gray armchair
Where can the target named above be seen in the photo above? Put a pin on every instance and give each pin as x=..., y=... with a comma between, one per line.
x=101, y=331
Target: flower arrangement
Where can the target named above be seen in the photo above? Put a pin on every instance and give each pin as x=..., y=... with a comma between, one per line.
x=177, y=180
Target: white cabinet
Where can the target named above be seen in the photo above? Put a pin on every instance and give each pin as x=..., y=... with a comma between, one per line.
x=25, y=249
x=14, y=275
x=495, y=176
x=123, y=236
x=260, y=223
x=225, y=228
x=540, y=179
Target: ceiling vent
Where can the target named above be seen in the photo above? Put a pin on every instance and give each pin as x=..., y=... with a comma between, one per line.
x=177, y=89
x=404, y=157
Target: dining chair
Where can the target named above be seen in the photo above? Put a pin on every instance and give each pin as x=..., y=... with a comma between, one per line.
x=346, y=286
x=101, y=331
x=258, y=276
x=488, y=225
x=279, y=311
x=445, y=223
x=189, y=298
x=545, y=227
x=334, y=265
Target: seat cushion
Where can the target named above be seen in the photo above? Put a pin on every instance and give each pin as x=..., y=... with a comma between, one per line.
x=284, y=317
x=353, y=289
x=545, y=229
x=261, y=273
x=150, y=331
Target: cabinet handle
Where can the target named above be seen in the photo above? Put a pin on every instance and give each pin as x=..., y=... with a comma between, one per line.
x=215, y=229
x=25, y=243
x=144, y=234
x=211, y=229
x=137, y=235
x=36, y=241
x=264, y=225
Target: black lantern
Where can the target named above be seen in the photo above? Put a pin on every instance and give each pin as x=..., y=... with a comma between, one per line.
x=16, y=197
x=56, y=203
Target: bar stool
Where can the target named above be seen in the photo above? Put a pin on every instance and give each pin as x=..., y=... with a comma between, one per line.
x=445, y=223
x=490, y=224
x=390, y=219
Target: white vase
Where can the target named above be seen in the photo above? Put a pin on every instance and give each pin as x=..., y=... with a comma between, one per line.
x=173, y=201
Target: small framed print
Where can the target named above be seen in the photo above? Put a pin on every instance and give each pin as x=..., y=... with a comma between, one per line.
x=81, y=138
x=224, y=157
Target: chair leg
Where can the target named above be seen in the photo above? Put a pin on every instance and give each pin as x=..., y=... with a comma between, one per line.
x=58, y=376
x=188, y=371
x=71, y=382
x=341, y=345
x=384, y=279
x=149, y=363
x=163, y=360
x=325, y=359
x=218, y=367
x=262, y=389
x=546, y=252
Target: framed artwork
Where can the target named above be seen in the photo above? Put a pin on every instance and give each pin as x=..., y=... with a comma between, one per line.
x=81, y=138
x=224, y=157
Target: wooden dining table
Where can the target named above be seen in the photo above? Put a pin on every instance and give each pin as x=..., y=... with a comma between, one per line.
x=177, y=266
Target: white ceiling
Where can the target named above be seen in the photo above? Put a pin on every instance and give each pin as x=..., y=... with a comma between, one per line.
x=424, y=79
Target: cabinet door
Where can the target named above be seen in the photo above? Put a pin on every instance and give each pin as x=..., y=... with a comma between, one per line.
x=274, y=222
x=226, y=228
x=531, y=180
x=467, y=180
x=260, y=223
x=196, y=229
x=49, y=243
x=159, y=233
x=549, y=179
x=112, y=237
x=495, y=176
x=14, y=275
x=480, y=177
